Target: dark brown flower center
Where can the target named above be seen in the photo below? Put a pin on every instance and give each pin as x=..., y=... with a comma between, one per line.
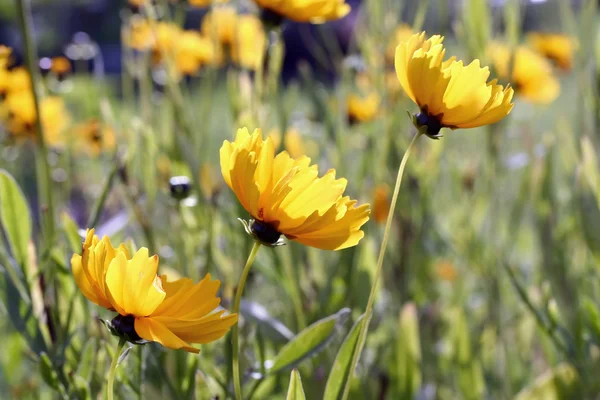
x=125, y=326
x=264, y=232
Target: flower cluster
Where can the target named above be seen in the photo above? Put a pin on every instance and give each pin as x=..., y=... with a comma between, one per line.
x=17, y=105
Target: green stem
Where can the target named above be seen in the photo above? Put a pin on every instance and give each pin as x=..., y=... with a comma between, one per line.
x=364, y=327
x=42, y=166
x=99, y=206
x=113, y=369
x=235, y=331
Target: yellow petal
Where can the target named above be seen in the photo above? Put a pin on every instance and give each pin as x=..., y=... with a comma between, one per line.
x=152, y=330
x=133, y=285
x=87, y=288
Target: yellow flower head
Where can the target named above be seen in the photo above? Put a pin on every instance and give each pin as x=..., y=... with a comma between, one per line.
x=531, y=73
x=448, y=93
x=402, y=33
x=221, y=24
x=381, y=203
x=5, y=56
x=20, y=116
x=446, y=271
x=249, y=42
x=192, y=51
x=95, y=137
x=60, y=66
x=362, y=108
x=285, y=196
x=205, y=3
x=14, y=81
x=314, y=11
x=172, y=313
x=556, y=47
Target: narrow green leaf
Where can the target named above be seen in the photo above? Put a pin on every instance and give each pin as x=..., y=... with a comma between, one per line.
x=71, y=231
x=309, y=341
x=559, y=383
x=15, y=217
x=340, y=370
x=47, y=371
x=295, y=390
x=408, y=352
x=470, y=374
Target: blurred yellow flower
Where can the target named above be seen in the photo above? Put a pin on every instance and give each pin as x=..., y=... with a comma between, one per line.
x=249, y=43
x=446, y=271
x=210, y=182
x=402, y=33
x=362, y=108
x=95, y=137
x=532, y=74
x=448, y=93
x=381, y=203
x=139, y=34
x=14, y=80
x=221, y=24
x=60, y=66
x=192, y=51
x=285, y=196
x=293, y=143
x=18, y=112
x=205, y=3
x=172, y=313
x=5, y=54
x=314, y=11
x=556, y=47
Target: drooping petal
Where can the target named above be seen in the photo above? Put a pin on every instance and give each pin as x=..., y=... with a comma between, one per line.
x=150, y=329
x=89, y=290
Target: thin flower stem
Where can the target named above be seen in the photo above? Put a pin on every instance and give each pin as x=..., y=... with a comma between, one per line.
x=235, y=331
x=42, y=165
x=113, y=369
x=386, y=233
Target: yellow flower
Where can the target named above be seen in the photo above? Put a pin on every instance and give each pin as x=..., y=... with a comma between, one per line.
x=531, y=75
x=314, y=11
x=20, y=116
x=5, y=56
x=556, y=47
x=381, y=203
x=95, y=136
x=249, y=43
x=60, y=66
x=14, y=81
x=401, y=34
x=192, y=51
x=139, y=34
x=210, y=183
x=285, y=196
x=448, y=93
x=172, y=313
x=446, y=271
x=362, y=108
x=221, y=24
x=205, y=3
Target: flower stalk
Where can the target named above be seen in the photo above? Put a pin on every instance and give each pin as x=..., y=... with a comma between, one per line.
x=113, y=368
x=362, y=336
x=235, y=330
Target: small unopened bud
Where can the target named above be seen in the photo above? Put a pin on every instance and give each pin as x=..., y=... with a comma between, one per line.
x=180, y=187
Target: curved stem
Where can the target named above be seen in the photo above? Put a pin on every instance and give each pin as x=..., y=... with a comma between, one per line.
x=235, y=331
x=386, y=233
x=113, y=369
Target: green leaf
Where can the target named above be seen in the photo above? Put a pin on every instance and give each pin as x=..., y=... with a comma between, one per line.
x=470, y=374
x=15, y=217
x=340, y=369
x=408, y=352
x=71, y=231
x=295, y=390
x=559, y=383
x=309, y=341
x=47, y=371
